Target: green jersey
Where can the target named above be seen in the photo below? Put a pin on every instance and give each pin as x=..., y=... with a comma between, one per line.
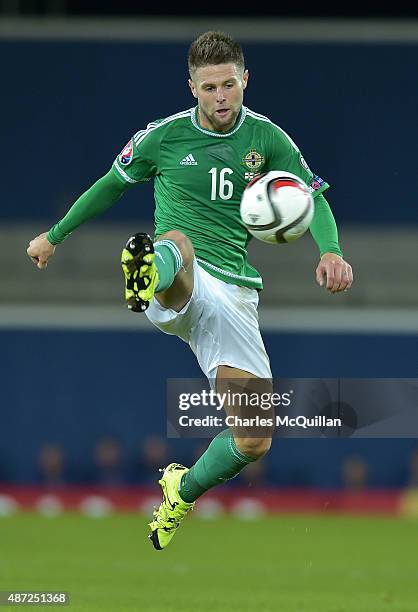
x=199, y=177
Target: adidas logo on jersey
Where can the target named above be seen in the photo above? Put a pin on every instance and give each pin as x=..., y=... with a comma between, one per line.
x=189, y=160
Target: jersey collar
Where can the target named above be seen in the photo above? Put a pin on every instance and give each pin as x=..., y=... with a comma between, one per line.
x=238, y=124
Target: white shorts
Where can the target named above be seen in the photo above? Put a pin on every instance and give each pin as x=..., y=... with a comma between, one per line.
x=220, y=323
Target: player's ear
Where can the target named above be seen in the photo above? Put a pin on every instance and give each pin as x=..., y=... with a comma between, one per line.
x=245, y=78
x=193, y=88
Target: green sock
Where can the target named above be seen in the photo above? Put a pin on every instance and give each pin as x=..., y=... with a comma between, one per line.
x=220, y=462
x=168, y=260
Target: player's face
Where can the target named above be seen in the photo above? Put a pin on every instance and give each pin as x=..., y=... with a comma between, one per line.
x=219, y=90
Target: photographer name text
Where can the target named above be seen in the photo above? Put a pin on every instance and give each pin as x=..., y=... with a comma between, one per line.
x=257, y=421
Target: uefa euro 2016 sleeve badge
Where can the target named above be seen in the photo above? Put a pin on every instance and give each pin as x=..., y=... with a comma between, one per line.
x=126, y=156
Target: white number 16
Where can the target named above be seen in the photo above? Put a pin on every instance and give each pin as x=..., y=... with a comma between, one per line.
x=226, y=187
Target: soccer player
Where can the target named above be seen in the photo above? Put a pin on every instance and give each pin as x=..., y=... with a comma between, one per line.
x=194, y=280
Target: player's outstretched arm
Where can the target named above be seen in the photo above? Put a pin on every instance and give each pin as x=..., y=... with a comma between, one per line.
x=332, y=272
x=105, y=192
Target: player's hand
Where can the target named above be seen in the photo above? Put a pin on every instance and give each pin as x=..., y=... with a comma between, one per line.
x=334, y=273
x=40, y=250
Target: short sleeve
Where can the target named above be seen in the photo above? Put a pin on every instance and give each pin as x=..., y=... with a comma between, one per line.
x=285, y=155
x=138, y=160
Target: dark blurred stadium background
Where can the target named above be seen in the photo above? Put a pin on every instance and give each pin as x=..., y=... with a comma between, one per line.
x=77, y=81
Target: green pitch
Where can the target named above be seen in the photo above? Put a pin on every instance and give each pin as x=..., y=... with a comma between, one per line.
x=282, y=563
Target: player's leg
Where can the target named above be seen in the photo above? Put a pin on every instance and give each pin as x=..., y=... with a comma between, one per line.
x=220, y=332
x=163, y=269
x=236, y=446
x=225, y=457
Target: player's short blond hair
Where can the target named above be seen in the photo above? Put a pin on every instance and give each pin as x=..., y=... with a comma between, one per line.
x=212, y=48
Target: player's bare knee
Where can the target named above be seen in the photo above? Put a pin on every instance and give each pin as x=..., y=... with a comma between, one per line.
x=183, y=243
x=253, y=447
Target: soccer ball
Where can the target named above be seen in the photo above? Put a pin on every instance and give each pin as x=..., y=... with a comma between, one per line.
x=277, y=207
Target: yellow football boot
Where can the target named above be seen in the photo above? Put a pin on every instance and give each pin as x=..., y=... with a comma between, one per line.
x=173, y=509
x=140, y=271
